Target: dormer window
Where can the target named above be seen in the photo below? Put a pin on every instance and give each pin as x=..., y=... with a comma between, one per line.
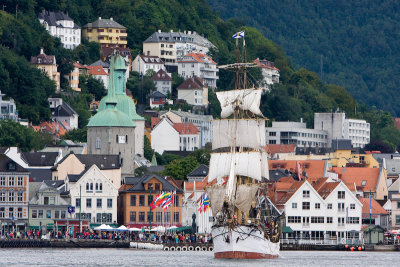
x=150, y=186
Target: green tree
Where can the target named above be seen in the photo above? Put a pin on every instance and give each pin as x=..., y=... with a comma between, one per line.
x=148, y=151
x=202, y=156
x=77, y=135
x=180, y=168
x=91, y=85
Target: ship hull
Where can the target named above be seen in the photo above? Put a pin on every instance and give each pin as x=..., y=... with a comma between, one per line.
x=245, y=243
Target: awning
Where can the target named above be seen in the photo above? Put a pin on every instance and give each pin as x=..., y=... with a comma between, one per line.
x=287, y=230
x=180, y=229
x=34, y=227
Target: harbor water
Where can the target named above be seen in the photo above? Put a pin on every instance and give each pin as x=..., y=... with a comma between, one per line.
x=131, y=257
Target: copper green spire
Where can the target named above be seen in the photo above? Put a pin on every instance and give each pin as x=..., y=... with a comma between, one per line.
x=154, y=160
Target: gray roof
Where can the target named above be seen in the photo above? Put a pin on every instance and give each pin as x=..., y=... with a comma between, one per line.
x=201, y=171
x=100, y=63
x=275, y=175
x=341, y=144
x=8, y=165
x=185, y=114
x=63, y=110
x=131, y=180
x=73, y=178
x=101, y=161
x=52, y=18
x=157, y=94
x=104, y=23
x=33, y=189
x=53, y=183
x=138, y=185
x=179, y=37
x=39, y=175
x=40, y=158
x=66, y=149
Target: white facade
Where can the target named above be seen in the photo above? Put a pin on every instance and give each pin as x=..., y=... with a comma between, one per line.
x=338, y=127
x=60, y=25
x=189, y=142
x=143, y=63
x=164, y=137
x=97, y=194
x=296, y=133
x=313, y=217
x=200, y=65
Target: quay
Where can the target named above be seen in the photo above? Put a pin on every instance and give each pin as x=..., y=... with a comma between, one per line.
x=62, y=243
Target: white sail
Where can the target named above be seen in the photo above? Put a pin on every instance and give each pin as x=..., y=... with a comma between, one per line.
x=248, y=132
x=216, y=193
x=246, y=99
x=250, y=164
x=245, y=195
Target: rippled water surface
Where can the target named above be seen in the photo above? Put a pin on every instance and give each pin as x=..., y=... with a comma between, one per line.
x=130, y=257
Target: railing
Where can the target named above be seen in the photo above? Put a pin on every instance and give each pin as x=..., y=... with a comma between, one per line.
x=322, y=241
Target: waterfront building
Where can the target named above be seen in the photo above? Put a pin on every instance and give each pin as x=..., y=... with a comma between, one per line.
x=14, y=195
x=47, y=64
x=319, y=210
x=117, y=93
x=106, y=32
x=364, y=181
x=200, y=65
x=60, y=25
x=202, y=122
x=77, y=163
x=194, y=92
x=143, y=63
x=269, y=72
x=162, y=81
x=393, y=204
x=8, y=109
x=301, y=169
x=48, y=202
x=136, y=195
x=174, y=136
x=338, y=127
x=280, y=151
x=374, y=214
x=296, y=133
x=194, y=190
x=93, y=195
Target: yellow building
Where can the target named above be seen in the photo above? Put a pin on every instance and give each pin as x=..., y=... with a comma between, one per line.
x=47, y=64
x=73, y=77
x=107, y=32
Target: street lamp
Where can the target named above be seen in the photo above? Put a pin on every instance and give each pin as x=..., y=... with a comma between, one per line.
x=150, y=215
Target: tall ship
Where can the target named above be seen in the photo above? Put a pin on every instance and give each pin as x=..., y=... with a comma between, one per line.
x=238, y=171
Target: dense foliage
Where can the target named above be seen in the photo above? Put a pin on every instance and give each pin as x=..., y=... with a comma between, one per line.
x=356, y=41
x=14, y=134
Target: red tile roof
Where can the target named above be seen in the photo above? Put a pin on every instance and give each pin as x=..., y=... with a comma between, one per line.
x=80, y=66
x=313, y=169
x=197, y=57
x=365, y=179
x=186, y=128
x=51, y=127
x=324, y=188
x=199, y=185
x=44, y=59
x=154, y=121
x=273, y=149
x=97, y=70
x=161, y=75
x=265, y=64
x=192, y=83
x=376, y=208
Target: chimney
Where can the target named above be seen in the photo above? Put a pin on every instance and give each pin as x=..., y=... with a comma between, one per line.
x=171, y=30
x=189, y=32
x=301, y=120
x=159, y=31
x=41, y=50
x=111, y=18
x=99, y=18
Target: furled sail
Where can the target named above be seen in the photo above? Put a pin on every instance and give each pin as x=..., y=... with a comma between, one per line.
x=251, y=164
x=216, y=194
x=248, y=133
x=245, y=194
x=246, y=99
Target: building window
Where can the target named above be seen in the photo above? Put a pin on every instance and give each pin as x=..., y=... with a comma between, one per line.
x=329, y=206
x=352, y=206
x=2, y=181
x=2, y=197
x=317, y=219
x=78, y=202
x=98, y=217
x=11, y=196
x=2, y=212
x=272, y=133
x=19, y=213
x=353, y=220
x=329, y=219
x=157, y=187
x=149, y=200
x=306, y=205
x=133, y=200
x=341, y=206
x=40, y=214
x=294, y=205
x=91, y=186
x=48, y=214
x=56, y=214
x=398, y=219
x=141, y=200
x=20, y=196
x=317, y=206
x=34, y=214
x=306, y=193
x=10, y=181
x=272, y=142
x=149, y=186
x=176, y=217
x=158, y=216
x=88, y=203
x=98, y=143
x=109, y=203
x=341, y=194
x=142, y=214
x=294, y=219
x=20, y=181
x=132, y=216
x=87, y=187
x=167, y=217
x=97, y=187
x=99, y=203
x=46, y=200
x=176, y=201
x=101, y=187
x=340, y=220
